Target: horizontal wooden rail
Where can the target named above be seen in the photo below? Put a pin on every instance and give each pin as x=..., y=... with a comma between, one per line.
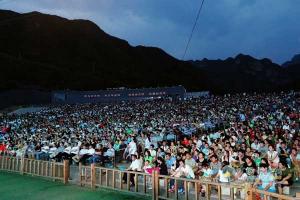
x=53, y=170
x=154, y=185
x=112, y=178
x=271, y=194
x=231, y=184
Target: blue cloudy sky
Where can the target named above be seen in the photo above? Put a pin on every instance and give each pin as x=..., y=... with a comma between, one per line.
x=261, y=28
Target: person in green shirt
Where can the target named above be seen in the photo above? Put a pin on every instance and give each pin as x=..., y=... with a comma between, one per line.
x=148, y=157
x=117, y=145
x=256, y=157
x=129, y=131
x=286, y=178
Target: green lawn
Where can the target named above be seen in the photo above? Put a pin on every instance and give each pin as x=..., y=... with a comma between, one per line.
x=14, y=186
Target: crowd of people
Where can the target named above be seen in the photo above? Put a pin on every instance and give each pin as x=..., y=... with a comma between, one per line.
x=241, y=137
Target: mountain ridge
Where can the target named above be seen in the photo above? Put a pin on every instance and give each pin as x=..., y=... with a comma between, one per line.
x=53, y=52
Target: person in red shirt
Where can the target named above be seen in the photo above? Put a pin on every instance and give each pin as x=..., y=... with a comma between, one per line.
x=252, y=134
x=185, y=142
x=2, y=148
x=6, y=129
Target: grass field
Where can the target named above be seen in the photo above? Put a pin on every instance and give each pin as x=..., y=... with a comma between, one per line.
x=14, y=186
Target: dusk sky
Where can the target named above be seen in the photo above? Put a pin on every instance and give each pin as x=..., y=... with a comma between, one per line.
x=261, y=28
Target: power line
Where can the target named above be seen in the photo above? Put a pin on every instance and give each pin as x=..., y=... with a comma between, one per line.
x=193, y=29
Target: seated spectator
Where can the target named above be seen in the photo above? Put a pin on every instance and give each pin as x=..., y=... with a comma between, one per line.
x=170, y=161
x=30, y=151
x=161, y=164
x=265, y=180
x=21, y=152
x=110, y=153
x=295, y=160
x=182, y=171
x=160, y=152
x=52, y=151
x=250, y=169
x=215, y=165
x=273, y=158
x=152, y=151
x=225, y=173
x=130, y=149
x=2, y=148
x=148, y=157
x=286, y=177
x=148, y=170
x=135, y=165
x=97, y=157
x=64, y=152
x=82, y=156
x=190, y=161
x=43, y=153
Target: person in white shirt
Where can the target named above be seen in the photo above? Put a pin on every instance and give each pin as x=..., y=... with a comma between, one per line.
x=199, y=143
x=164, y=146
x=91, y=151
x=224, y=174
x=286, y=127
x=67, y=149
x=74, y=150
x=131, y=149
x=255, y=145
x=273, y=157
x=43, y=154
x=190, y=161
x=64, y=153
x=20, y=153
x=153, y=152
x=147, y=142
x=74, y=153
x=110, y=152
x=135, y=165
x=85, y=153
x=52, y=151
x=182, y=171
x=81, y=155
x=109, y=155
x=30, y=150
x=45, y=149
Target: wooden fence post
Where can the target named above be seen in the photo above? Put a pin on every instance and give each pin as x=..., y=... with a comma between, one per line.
x=22, y=165
x=53, y=170
x=248, y=192
x=153, y=185
x=1, y=160
x=79, y=174
x=66, y=171
x=93, y=176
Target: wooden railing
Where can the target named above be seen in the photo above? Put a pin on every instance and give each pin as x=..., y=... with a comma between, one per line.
x=157, y=186
x=256, y=194
x=53, y=170
x=192, y=188
x=112, y=178
x=154, y=185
